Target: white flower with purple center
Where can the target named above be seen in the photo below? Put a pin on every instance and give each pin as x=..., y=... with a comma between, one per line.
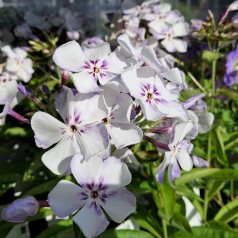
x=18, y=64
x=179, y=153
x=90, y=67
x=78, y=133
x=102, y=184
x=170, y=36
x=149, y=91
x=122, y=132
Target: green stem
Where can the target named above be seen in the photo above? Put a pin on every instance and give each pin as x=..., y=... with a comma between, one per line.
x=214, y=69
x=195, y=81
x=164, y=223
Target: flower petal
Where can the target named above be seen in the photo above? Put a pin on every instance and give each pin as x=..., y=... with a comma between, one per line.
x=159, y=173
x=180, y=132
x=86, y=171
x=90, y=107
x=69, y=56
x=98, y=52
x=58, y=158
x=126, y=134
x=85, y=82
x=91, y=220
x=173, y=171
x=47, y=129
x=119, y=204
x=64, y=198
x=184, y=157
x=115, y=174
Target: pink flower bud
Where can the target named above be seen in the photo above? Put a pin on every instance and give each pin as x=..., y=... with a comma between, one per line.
x=20, y=209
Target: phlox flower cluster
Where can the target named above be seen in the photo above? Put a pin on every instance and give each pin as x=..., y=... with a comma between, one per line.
x=112, y=91
x=17, y=68
x=150, y=22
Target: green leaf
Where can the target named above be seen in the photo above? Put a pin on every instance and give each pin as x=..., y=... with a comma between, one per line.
x=218, y=143
x=227, y=212
x=42, y=188
x=168, y=197
x=227, y=92
x=208, y=232
x=214, y=188
x=209, y=173
x=181, y=222
x=195, y=173
x=125, y=234
x=184, y=190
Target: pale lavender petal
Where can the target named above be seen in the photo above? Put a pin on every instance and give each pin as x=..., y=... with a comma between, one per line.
x=93, y=139
x=91, y=220
x=48, y=130
x=184, y=157
x=85, y=82
x=180, y=131
x=98, y=52
x=124, y=134
x=159, y=173
x=64, y=198
x=191, y=101
x=69, y=56
x=173, y=171
x=119, y=204
x=199, y=162
x=86, y=172
x=58, y=158
x=115, y=174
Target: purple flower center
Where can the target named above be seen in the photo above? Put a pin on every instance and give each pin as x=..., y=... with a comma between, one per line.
x=94, y=194
x=105, y=120
x=73, y=128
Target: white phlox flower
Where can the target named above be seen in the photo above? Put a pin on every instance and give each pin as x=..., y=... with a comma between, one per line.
x=150, y=93
x=89, y=67
x=179, y=154
x=18, y=64
x=78, y=134
x=122, y=132
x=102, y=184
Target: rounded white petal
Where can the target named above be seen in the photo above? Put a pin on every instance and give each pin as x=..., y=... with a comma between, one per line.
x=126, y=134
x=180, y=131
x=59, y=157
x=64, y=198
x=116, y=63
x=169, y=45
x=86, y=171
x=93, y=140
x=85, y=82
x=122, y=109
x=115, y=174
x=47, y=129
x=91, y=220
x=119, y=204
x=69, y=56
x=91, y=107
x=205, y=122
x=184, y=158
x=98, y=52
x=180, y=29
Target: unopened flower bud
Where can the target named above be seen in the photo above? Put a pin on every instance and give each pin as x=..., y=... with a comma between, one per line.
x=20, y=209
